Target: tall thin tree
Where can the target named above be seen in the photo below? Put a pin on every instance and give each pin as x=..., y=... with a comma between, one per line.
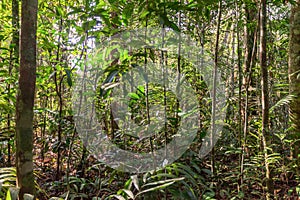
x=265, y=94
x=294, y=80
x=25, y=99
x=214, y=90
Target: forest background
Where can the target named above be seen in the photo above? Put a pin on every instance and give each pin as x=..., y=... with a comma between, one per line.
x=254, y=45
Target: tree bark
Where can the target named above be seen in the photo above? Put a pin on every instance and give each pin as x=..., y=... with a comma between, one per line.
x=25, y=99
x=214, y=90
x=249, y=34
x=16, y=26
x=294, y=80
x=250, y=45
x=265, y=96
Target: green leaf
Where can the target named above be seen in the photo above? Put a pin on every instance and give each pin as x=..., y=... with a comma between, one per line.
x=128, y=184
x=284, y=101
x=144, y=14
x=164, y=20
x=75, y=10
x=133, y=95
x=164, y=181
x=173, y=26
x=209, y=196
x=69, y=78
x=59, y=11
x=127, y=12
x=8, y=196
x=156, y=188
x=129, y=193
x=141, y=90
x=207, y=13
x=135, y=181
x=163, y=175
x=118, y=197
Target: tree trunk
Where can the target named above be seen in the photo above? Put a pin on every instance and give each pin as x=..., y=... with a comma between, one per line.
x=25, y=99
x=294, y=80
x=214, y=90
x=16, y=26
x=249, y=34
x=250, y=45
x=265, y=96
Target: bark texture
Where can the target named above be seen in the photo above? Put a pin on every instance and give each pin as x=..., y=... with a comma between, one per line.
x=294, y=79
x=25, y=99
x=265, y=97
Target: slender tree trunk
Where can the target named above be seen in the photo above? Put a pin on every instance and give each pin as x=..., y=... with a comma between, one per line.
x=250, y=41
x=25, y=99
x=249, y=34
x=247, y=99
x=59, y=92
x=294, y=80
x=239, y=76
x=213, y=125
x=265, y=96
